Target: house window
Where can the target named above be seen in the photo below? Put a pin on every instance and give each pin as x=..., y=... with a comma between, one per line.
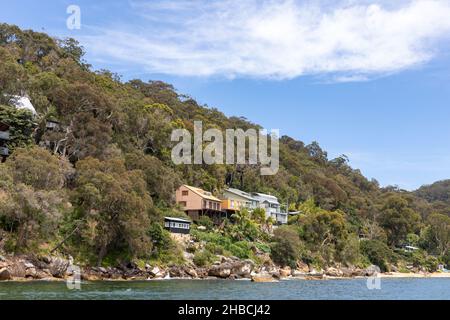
x=184, y=193
x=232, y=203
x=183, y=203
x=180, y=225
x=176, y=225
x=204, y=203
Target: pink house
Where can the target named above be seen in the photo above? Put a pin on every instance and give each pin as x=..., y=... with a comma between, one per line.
x=197, y=202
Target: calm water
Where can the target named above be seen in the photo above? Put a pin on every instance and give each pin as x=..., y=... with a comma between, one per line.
x=391, y=289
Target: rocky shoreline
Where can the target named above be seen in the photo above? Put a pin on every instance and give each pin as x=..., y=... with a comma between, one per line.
x=24, y=268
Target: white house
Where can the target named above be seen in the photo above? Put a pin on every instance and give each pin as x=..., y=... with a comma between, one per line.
x=23, y=102
x=272, y=206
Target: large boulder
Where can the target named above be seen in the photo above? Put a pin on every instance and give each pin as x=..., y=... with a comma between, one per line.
x=30, y=270
x=176, y=272
x=242, y=269
x=202, y=273
x=191, y=272
x=58, y=267
x=41, y=274
x=115, y=273
x=347, y=272
x=276, y=275
x=156, y=272
x=18, y=269
x=90, y=277
x=5, y=274
x=334, y=272
x=371, y=271
x=285, y=272
x=222, y=270
x=315, y=272
x=302, y=267
x=263, y=277
x=357, y=272
x=298, y=274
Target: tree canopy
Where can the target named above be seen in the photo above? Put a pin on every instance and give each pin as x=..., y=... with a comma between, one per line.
x=105, y=178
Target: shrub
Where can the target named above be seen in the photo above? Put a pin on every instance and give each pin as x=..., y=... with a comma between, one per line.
x=412, y=239
x=203, y=258
x=205, y=221
x=165, y=250
x=240, y=249
x=378, y=253
x=160, y=237
x=214, y=248
x=286, y=246
x=421, y=259
x=263, y=247
x=350, y=252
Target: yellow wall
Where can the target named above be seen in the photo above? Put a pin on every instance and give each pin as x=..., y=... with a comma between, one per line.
x=237, y=205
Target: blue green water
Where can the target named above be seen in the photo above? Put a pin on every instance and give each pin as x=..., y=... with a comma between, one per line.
x=355, y=289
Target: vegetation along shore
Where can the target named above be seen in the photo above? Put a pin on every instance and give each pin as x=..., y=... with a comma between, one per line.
x=87, y=180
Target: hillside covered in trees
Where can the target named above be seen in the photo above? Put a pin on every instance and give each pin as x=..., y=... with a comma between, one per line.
x=98, y=188
x=438, y=194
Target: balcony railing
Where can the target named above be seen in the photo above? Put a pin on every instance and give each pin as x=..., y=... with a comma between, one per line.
x=4, y=135
x=280, y=217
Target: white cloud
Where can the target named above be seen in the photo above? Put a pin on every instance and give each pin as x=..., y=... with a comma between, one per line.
x=350, y=41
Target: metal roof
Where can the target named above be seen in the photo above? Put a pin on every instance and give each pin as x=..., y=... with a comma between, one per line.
x=241, y=193
x=266, y=197
x=202, y=193
x=177, y=219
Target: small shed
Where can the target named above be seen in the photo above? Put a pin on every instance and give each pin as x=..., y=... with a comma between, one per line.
x=177, y=225
x=51, y=125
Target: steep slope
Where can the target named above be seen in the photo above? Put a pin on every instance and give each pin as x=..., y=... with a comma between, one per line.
x=438, y=191
x=109, y=177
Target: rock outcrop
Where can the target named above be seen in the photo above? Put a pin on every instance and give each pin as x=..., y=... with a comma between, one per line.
x=58, y=267
x=54, y=268
x=5, y=274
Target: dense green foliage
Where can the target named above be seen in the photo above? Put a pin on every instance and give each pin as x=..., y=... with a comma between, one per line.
x=98, y=187
x=286, y=247
x=438, y=194
x=378, y=253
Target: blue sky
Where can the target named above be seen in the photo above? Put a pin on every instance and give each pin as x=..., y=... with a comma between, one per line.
x=368, y=79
